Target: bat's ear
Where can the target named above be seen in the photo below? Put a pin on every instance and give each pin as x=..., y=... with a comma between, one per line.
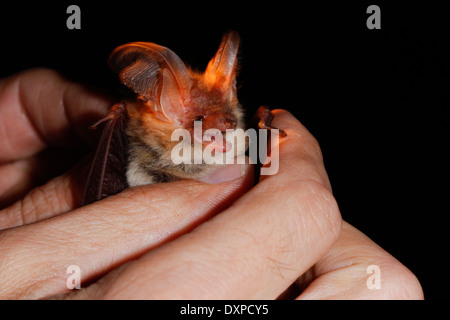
x=155, y=73
x=170, y=101
x=221, y=70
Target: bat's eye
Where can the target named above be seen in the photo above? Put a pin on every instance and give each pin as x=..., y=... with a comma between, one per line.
x=199, y=118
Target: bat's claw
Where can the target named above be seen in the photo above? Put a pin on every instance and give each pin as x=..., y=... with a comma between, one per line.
x=265, y=120
x=115, y=111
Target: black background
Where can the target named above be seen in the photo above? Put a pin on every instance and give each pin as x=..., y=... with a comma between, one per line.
x=376, y=100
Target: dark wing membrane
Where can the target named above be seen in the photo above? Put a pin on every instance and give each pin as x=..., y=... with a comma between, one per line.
x=262, y=120
x=107, y=175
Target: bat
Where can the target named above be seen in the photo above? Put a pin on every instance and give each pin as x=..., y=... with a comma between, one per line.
x=135, y=147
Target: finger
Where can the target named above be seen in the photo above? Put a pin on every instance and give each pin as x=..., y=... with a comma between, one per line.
x=21, y=176
x=255, y=248
x=59, y=195
x=304, y=149
x=357, y=268
x=64, y=193
x=39, y=108
x=105, y=234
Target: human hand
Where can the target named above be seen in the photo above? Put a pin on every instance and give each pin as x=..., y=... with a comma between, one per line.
x=185, y=239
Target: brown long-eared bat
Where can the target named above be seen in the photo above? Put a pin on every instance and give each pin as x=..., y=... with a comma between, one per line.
x=136, y=146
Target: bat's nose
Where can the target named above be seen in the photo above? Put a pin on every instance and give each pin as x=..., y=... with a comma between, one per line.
x=226, y=121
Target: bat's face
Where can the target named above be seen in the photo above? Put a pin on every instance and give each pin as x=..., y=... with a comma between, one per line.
x=211, y=118
x=215, y=110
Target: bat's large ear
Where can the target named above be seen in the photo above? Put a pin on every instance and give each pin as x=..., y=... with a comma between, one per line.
x=155, y=73
x=221, y=70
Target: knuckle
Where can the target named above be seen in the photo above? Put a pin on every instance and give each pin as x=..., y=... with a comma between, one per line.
x=317, y=210
x=310, y=225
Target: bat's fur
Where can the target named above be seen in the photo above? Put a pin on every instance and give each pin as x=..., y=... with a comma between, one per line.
x=169, y=96
x=149, y=137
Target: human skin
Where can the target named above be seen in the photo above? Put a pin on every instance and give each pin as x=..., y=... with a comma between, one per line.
x=225, y=239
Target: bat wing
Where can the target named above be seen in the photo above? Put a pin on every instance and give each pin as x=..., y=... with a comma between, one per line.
x=107, y=175
x=263, y=120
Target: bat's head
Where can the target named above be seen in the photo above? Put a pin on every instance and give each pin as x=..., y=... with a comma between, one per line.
x=172, y=96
